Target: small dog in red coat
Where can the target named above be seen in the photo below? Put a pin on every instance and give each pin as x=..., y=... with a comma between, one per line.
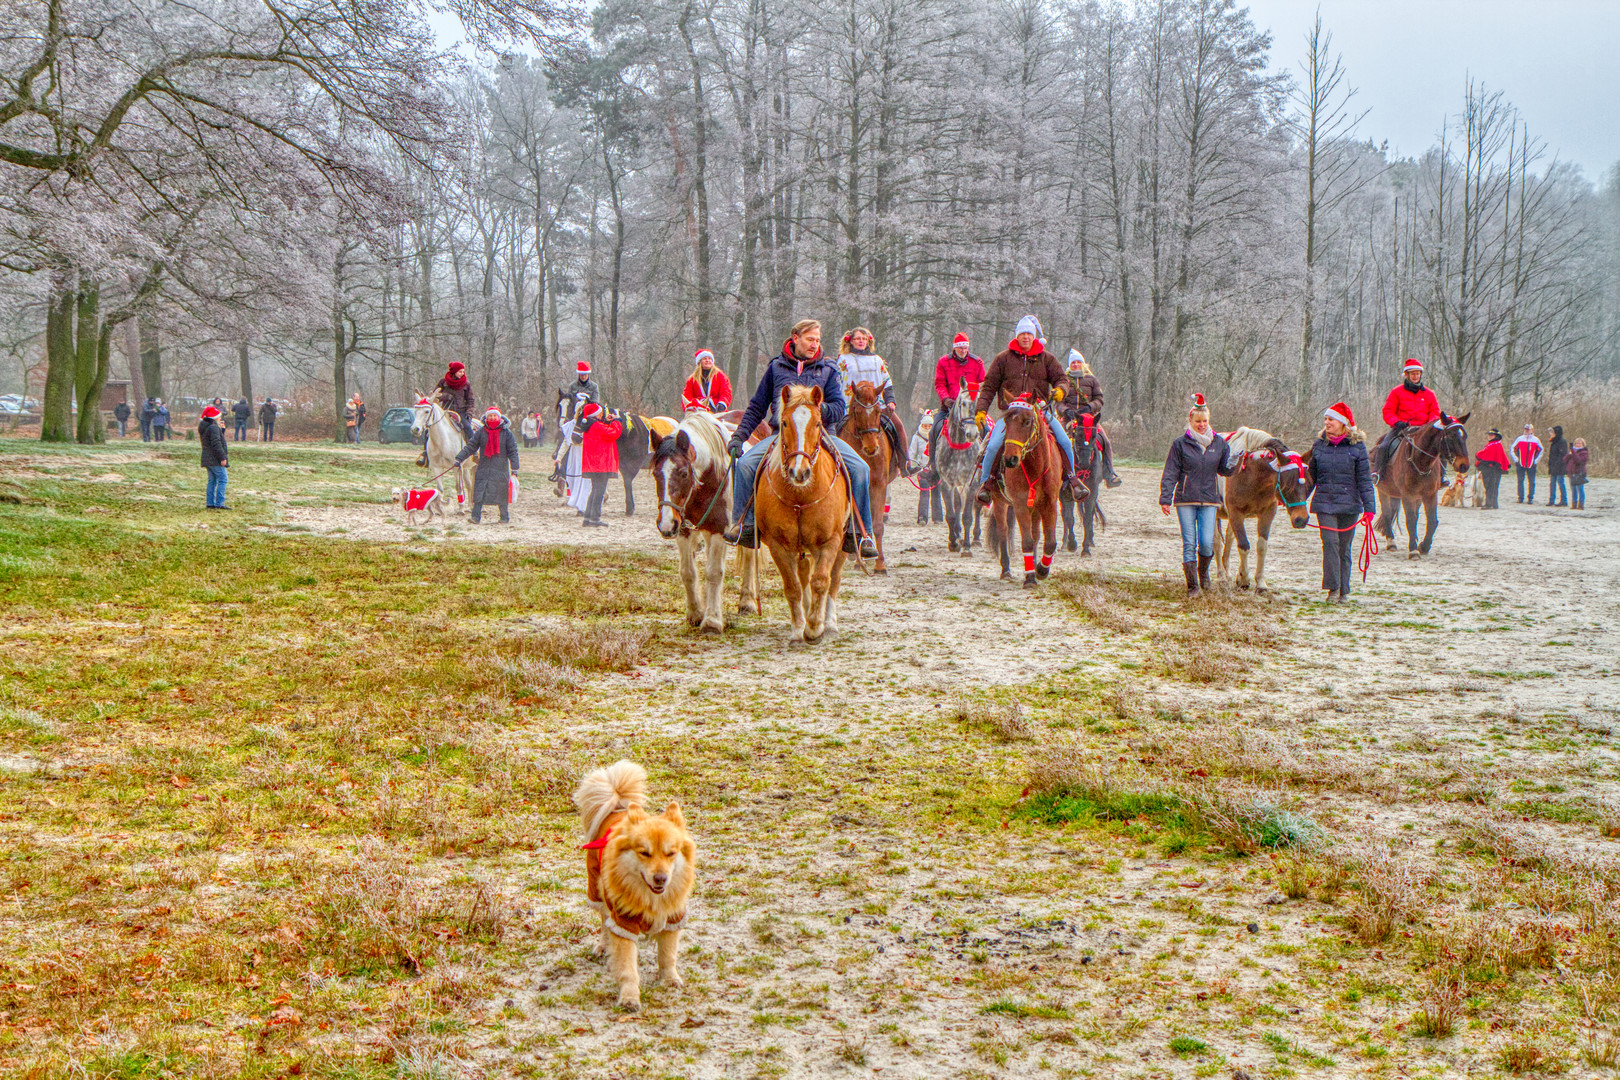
x=419, y=501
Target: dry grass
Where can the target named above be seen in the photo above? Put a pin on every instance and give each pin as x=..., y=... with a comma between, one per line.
x=1388, y=894
x=1441, y=1005
x=1005, y=722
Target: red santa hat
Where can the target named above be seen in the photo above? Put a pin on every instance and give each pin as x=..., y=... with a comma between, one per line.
x=591, y=409
x=1413, y=365
x=1198, y=403
x=961, y=339
x=210, y=413
x=702, y=354
x=492, y=413
x=583, y=367
x=1341, y=412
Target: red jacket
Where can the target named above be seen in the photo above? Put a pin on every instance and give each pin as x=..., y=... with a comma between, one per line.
x=719, y=393
x=1414, y=407
x=1494, y=453
x=599, y=448
x=950, y=373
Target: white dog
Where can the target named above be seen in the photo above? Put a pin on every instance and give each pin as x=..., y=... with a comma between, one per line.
x=419, y=501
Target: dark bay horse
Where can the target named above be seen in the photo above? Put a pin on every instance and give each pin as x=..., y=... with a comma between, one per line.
x=1269, y=476
x=956, y=465
x=637, y=443
x=1413, y=479
x=1031, y=475
x=1087, y=453
x=863, y=429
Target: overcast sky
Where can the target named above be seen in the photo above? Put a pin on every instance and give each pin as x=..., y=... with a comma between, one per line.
x=1558, y=61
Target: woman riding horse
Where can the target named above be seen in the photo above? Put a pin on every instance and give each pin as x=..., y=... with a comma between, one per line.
x=1085, y=390
x=858, y=363
x=1024, y=367
x=800, y=363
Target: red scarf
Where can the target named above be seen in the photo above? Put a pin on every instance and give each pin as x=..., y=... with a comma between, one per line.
x=788, y=351
x=455, y=382
x=492, y=438
x=1035, y=349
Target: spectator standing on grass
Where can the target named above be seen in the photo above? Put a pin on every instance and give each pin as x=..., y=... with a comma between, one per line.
x=1557, y=455
x=350, y=419
x=497, y=452
x=1575, y=468
x=527, y=428
x=1526, y=452
x=242, y=413
x=1343, y=495
x=121, y=414
x=267, y=420
x=211, y=434
x=1190, y=484
x=160, y=421
x=148, y=410
x=1493, y=465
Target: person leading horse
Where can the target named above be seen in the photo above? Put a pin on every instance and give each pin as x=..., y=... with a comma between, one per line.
x=1409, y=405
x=1023, y=367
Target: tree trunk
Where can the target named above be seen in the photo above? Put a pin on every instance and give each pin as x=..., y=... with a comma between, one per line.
x=56, y=422
x=90, y=366
x=340, y=377
x=132, y=353
x=151, y=358
x=246, y=372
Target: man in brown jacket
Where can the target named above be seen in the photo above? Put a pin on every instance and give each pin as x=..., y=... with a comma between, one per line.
x=1023, y=367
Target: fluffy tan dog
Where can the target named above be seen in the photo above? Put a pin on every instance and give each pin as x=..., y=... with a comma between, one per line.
x=639, y=871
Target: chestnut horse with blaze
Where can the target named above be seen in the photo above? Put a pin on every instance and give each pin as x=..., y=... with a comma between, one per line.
x=801, y=501
x=863, y=429
x=1031, y=477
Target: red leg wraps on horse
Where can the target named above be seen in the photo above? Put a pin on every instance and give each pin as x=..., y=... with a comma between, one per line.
x=1029, y=562
x=1046, y=560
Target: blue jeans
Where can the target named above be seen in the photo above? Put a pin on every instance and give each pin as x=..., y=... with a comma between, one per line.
x=747, y=467
x=1560, y=491
x=1197, y=531
x=998, y=435
x=241, y=430
x=216, y=485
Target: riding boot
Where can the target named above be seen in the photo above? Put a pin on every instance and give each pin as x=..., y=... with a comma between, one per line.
x=1110, y=477
x=422, y=459
x=1190, y=570
x=1073, y=485
x=1203, y=571
x=988, y=490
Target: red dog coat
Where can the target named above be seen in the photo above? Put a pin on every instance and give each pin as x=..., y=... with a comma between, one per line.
x=420, y=498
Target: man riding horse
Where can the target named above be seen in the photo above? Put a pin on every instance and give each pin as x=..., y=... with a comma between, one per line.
x=1024, y=367
x=954, y=370
x=1409, y=405
x=1086, y=390
x=858, y=363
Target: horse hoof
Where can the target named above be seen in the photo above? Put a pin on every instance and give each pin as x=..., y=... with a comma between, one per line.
x=714, y=626
x=1244, y=585
x=811, y=639
x=1414, y=555
x=1029, y=581
x=1041, y=572
x=695, y=620
x=880, y=569
x=953, y=545
x=967, y=553
x=1084, y=552
x=1071, y=546
x=1006, y=576
x=1261, y=590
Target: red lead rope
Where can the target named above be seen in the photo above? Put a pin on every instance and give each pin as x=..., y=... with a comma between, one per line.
x=1369, y=543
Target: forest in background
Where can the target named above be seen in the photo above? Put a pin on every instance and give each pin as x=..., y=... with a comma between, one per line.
x=312, y=198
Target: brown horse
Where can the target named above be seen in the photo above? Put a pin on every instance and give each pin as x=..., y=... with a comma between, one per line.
x=1269, y=476
x=1413, y=479
x=863, y=429
x=801, y=501
x=1031, y=476
x=693, y=476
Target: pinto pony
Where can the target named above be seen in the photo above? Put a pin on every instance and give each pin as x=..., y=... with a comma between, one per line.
x=1269, y=476
x=431, y=421
x=863, y=429
x=1084, y=436
x=956, y=468
x=693, y=476
x=1413, y=479
x=801, y=501
x=1031, y=476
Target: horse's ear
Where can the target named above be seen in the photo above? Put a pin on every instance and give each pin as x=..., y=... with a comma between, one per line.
x=784, y=396
x=816, y=396
x=683, y=445
x=1463, y=419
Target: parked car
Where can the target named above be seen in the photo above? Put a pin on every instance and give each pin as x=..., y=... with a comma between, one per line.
x=396, y=425
x=16, y=403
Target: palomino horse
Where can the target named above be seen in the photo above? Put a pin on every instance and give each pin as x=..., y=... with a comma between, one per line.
x=1413, y=479
x=693, y=475
x=1269, y=475
x=444, y=442
x=956, y=468
x=1087, y=452
x=1031, y=475
x=801, y=501
x=863, y=429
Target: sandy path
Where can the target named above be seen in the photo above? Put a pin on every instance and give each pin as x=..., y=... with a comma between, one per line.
x=831, y=935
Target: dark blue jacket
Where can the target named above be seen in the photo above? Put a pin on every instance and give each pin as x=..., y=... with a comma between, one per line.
x=784, y=371
x=1190, y=471
x=212, y=437
x=1343, y=477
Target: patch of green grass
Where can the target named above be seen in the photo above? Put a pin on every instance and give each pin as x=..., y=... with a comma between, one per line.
x=1017, y=1009
x=1183, y=1045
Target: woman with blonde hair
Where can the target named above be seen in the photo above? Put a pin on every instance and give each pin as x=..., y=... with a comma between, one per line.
x=707, y=388
x=858, y=362
x=1197, y=459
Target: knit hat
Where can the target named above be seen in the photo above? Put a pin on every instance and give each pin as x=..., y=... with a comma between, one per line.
x=1198, y=403
x=1341, y=412
x=1413, y=365
x=1029, y=324
x=1075, y=359
x=457, y=365
x=702, y=355
x=583, y=367
x=1493, y=433
x=210, y=413
x=961, y=339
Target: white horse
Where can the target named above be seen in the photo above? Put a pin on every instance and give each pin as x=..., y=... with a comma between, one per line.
x=444, y=442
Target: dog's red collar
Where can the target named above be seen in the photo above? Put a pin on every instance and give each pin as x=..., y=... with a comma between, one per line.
x=599, y=843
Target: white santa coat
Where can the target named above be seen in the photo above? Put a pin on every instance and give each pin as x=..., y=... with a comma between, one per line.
x=863, y=367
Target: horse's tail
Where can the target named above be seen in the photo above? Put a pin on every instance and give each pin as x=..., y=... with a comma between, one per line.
x=620, y=786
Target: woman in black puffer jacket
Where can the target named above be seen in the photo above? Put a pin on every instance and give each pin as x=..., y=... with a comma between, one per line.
x=1190, y=484
x=1344, y=494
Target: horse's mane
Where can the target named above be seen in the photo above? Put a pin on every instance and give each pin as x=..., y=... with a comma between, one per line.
x=708, y=439
x=1248, y=440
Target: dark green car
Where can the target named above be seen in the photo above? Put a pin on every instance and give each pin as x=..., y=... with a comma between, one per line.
x=396, y=425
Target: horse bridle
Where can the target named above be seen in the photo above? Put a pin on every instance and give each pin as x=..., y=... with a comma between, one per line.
x=1296, y=466
x=1431, y=455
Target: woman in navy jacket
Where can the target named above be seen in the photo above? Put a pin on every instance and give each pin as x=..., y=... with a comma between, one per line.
x=1343, y=496
x=1190, y=484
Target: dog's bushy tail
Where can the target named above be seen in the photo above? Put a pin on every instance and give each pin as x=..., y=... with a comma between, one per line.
x=619, y=786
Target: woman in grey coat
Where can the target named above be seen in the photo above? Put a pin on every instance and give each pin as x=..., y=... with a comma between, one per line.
x=497, y=452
